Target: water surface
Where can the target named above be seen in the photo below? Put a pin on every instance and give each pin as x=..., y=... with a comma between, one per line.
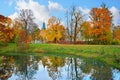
x=54, y=68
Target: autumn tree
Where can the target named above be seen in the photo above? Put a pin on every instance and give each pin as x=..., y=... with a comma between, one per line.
x=26, y=17
x=116, y=35
x=76, y=19
x=17, y=26
x=86, y=31
x=36, y=34
x=101, y=25
x=42, y=34
x=6, y=31
x=55, y=30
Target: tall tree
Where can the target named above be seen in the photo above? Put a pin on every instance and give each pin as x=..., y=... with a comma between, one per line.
x=101, y=24
x=76, y=20
x=26, y=17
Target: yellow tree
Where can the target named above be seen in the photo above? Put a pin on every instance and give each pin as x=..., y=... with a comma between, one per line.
x=43, y=35
x=86, y=30
x=101, y=23
x=116, y=34
x=55, y=31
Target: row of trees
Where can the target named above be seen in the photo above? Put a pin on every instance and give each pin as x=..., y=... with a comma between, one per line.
x=23, y=30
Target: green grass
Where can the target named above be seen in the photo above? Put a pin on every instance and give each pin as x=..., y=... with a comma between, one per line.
x=110, y=54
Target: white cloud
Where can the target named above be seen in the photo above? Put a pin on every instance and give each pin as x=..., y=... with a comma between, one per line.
x=85, y=12
x=116, y=15
x=41, y=13
x=54, y=6
x=13, y=16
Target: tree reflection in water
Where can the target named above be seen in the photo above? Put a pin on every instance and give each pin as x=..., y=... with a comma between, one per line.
x=53, y=65
x=57, y=68
x=26, y=67
x=6, y=67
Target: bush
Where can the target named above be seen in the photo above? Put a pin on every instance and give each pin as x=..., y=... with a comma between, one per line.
x=115, y=42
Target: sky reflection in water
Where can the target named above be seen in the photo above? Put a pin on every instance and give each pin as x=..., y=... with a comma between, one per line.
x=55, y=68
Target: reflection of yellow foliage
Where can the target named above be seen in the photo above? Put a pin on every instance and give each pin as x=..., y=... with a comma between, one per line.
x=53, y=62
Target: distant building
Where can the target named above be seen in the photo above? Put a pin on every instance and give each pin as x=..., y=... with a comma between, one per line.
x=44, y=26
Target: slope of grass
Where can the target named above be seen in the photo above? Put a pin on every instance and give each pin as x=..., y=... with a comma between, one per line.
x=109, y=54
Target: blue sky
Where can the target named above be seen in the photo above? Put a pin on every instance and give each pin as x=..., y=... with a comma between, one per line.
x=43, y=9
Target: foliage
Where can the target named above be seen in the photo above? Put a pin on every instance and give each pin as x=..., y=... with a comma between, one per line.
x=116, y=35
x=6, y=31
x=55, y=31
x=36, y=35
x=53, y=64
x=101, y=25
x=24, y=30
x=86, y=31
x=6, y=67
x=28, y=26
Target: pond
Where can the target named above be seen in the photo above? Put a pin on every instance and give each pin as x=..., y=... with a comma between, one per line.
x=16, y=67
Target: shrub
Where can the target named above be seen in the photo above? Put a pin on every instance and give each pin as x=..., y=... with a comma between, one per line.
x=115, y=42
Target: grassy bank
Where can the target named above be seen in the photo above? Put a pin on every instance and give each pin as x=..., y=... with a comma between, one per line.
x=110, y=54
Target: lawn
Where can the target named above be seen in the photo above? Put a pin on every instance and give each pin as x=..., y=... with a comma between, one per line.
x=110, y=54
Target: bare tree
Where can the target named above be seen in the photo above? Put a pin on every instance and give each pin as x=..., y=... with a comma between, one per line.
x=27, y=29
x=75, y=23
x=27, y=17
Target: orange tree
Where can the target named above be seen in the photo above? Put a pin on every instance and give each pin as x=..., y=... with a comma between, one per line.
x=101, y=25
x=6, y=31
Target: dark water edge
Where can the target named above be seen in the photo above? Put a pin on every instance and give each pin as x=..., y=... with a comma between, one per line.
x=31, y=67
